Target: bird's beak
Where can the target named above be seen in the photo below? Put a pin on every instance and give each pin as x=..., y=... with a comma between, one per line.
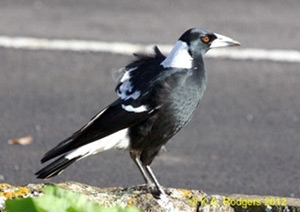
x=222, y=41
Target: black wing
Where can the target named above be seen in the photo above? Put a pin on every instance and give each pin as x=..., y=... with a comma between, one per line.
x=109, y=120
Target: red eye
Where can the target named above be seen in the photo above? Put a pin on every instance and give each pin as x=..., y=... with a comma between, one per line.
x=205, y=39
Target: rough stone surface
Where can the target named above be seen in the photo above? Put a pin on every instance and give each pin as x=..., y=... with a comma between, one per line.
x=175, y=200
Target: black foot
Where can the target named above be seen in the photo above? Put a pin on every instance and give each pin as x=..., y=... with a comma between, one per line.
x=151, y=188
x=156, y=193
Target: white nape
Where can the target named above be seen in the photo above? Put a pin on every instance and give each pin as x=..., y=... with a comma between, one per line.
x=117, y=140
x=179, y=57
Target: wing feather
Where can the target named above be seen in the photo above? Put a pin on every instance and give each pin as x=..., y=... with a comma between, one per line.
x=109, y=120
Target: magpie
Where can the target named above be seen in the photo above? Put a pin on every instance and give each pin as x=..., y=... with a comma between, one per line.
x=157, y=96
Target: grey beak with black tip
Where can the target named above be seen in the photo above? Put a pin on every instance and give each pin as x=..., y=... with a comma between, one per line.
x=223, y=41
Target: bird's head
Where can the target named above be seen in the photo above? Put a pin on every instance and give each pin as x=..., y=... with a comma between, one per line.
x=199, y=41
x=193, y=44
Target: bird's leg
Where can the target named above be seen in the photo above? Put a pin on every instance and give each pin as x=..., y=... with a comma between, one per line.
x=148, y=175
x=147, y=179
x=157, y=185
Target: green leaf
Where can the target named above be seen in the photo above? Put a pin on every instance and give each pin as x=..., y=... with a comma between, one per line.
x=65, y=201
x=25, y=205
x=57, y=199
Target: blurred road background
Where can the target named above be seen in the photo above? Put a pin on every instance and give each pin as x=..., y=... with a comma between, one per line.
x=244, y=137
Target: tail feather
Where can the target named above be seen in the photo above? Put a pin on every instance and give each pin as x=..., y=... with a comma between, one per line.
x=55, y=168
x=61, y=148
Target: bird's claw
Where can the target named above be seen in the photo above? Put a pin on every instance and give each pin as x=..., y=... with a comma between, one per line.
x=155, y=191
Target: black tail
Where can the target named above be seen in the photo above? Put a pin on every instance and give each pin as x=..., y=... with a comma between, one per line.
x=60, y=149
x=55, y=168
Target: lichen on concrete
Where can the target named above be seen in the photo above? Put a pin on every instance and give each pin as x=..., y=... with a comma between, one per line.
x=174, y=200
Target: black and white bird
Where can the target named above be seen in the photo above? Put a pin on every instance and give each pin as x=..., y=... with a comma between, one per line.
x=157, y=97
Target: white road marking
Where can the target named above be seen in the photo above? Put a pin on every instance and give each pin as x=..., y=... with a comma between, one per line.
x=128, y=48
x=277, y=55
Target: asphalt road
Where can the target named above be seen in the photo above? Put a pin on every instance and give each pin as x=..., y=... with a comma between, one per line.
x=243, y=139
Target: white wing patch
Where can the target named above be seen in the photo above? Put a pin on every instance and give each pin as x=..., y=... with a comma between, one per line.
x=126, y=75
x=117, y=140
x=179, y=57
x=126, y=87
x=140, y=109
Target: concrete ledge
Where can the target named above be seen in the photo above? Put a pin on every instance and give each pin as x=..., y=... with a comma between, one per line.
x=176, y=200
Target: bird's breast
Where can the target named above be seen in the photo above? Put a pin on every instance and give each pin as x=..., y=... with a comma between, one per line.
x=178, y=97
x=185, y=105
x=183, y=98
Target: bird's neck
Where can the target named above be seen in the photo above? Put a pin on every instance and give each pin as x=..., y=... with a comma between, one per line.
x=198, y=63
